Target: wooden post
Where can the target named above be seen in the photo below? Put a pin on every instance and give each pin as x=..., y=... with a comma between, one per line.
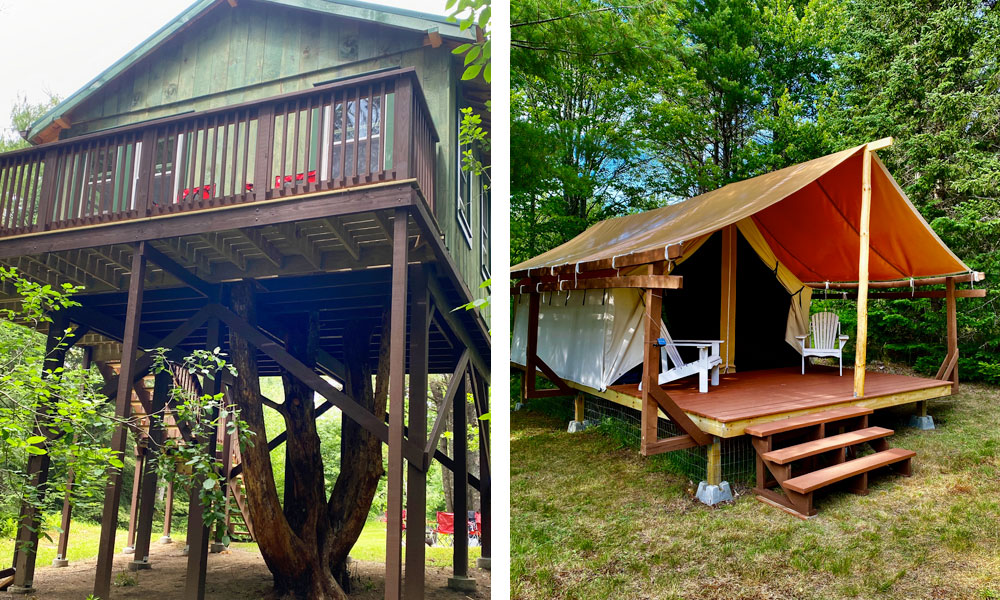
x=168, y=513
x=264, y=152
x=416, y=478
x=123, y=405
x=727, y=316
x=397, y=372
x=651, y=365
x=147, y=496
x=531, y=368
x=460, y=579
x=197, y=533
x=713, y=471
x=952, y=329
x=26, y=543
x=67, y=511
x=227, y=459
x=481, y=392
x=578, y=412
x=864, y=227
x=133, y=509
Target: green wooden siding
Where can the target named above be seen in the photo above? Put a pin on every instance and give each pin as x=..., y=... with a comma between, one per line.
x=257, y=50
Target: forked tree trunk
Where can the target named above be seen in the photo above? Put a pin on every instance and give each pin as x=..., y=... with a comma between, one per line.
x=302, y=543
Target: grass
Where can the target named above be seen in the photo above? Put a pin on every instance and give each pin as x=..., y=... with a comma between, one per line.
x=592, y=519
x=371, y=547
x=84, y=539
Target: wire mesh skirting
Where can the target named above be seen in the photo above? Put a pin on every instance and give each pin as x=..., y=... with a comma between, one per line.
x=623, y=424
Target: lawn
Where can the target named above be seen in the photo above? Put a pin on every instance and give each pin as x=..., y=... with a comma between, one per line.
x=84, y=539
x=590, y=519
x=371, y=547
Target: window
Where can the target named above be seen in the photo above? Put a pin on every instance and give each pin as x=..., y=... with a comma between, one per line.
x=463, y=208
x=484, y=230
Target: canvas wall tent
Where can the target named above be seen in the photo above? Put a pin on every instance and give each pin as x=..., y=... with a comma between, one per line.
x=803, y=222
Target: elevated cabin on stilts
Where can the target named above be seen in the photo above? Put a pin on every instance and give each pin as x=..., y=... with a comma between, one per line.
x=312, y=150
x=646, y=310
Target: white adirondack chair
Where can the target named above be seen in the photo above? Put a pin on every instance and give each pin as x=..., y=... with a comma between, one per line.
x=706, y=366
x=824, y=329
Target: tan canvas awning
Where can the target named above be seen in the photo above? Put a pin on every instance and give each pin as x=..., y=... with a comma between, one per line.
x=808, y=214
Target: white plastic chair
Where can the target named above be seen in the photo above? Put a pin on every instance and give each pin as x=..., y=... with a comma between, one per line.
x=824, y=329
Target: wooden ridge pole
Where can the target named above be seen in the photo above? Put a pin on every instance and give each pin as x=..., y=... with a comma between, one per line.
x=397, y=403
x=861, y=343
x=123, y=405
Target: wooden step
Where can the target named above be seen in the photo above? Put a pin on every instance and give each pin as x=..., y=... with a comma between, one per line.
x=810, y=482
x=782, y=425
x=787, y=455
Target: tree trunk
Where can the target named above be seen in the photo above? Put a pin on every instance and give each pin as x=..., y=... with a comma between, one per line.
x=360, y=451
x=294, y=548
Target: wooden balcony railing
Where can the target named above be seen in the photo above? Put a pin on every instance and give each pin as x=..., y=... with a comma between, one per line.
x=350, y=133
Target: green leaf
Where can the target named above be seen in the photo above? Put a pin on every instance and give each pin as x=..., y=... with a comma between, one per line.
x=34, y=450
x=35, y=439
x=208, y=484
x=462, y=49
x=471, y=56
x=115, y=462
x=471, y=72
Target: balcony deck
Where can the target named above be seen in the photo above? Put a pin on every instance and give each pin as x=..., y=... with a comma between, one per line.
x=297, y=190
x=343, y=143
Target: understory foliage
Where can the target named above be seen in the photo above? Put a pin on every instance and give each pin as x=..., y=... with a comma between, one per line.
x=193, y=466
x=48, y=411
x=619, y=107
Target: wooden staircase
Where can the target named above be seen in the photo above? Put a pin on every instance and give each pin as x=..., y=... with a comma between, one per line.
x=804, y=454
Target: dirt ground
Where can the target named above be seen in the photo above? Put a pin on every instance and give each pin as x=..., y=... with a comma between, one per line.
x=232, y=575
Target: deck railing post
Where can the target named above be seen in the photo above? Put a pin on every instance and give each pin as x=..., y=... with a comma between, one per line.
x=48, y=193
x=402, y=137
x=147, y=164
x=264, y=151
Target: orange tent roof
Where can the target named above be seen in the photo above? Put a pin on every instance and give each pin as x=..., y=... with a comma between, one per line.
x=808, y=213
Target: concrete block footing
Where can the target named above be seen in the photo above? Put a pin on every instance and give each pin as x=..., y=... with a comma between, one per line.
x=576, y=427
x=18, y=589
x=128, y=550
x=483, y=563
x=187, y=549
x=60, y=562
x=591, y=423
x=925, y=423
x=216, y=547
x=139, y=565
x=165, y=540
x=462, y=584
x=714, y=494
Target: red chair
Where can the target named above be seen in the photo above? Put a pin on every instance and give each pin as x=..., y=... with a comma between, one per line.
x=446, y=527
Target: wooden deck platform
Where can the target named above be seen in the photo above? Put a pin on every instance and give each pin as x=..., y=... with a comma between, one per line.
x=744, y=399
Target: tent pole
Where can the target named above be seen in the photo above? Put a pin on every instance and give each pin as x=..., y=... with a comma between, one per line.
x=650, y=366
x=863, y=232
x=727, y=318
x=952, y=330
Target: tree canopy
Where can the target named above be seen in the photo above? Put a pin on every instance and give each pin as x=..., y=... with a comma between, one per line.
x=617, y=108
